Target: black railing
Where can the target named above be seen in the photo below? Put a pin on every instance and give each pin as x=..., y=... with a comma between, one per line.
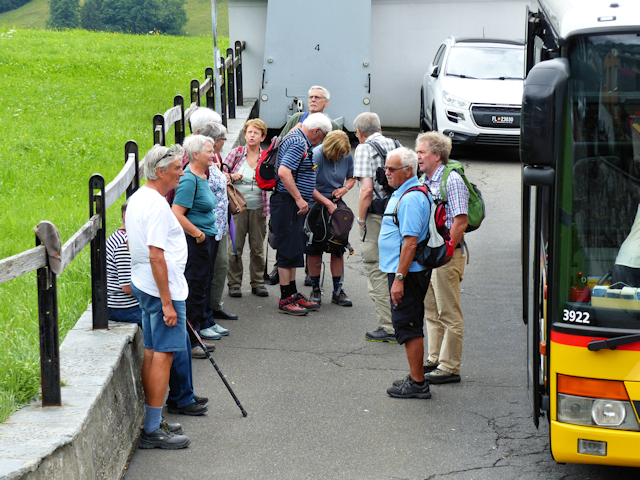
x=49, y=258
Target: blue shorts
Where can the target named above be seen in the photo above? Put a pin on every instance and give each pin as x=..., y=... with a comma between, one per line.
x=157, y=335
x=127, y=315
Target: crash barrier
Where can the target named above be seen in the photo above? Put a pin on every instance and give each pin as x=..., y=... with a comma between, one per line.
x=230, y=80
x=80, y=449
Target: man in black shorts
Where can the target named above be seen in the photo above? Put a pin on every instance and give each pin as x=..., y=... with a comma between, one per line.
x=289, y=204
x=408, y=280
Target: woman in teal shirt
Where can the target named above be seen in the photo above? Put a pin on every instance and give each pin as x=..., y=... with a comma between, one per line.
x=193, y=206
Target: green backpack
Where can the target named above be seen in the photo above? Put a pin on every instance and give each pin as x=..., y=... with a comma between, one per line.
x=476, y=203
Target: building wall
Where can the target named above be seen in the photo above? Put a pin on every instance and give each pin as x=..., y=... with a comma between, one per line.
x=405, y=35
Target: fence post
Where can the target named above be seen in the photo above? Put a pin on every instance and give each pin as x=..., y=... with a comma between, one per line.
x=49, y=336
x=223, y=95
x=239, y=94
x=231, y=87
x=98, y=255
x=158, y=129
x=195, y=91
x=211, y=98
x=179, y=125
x=132, y=147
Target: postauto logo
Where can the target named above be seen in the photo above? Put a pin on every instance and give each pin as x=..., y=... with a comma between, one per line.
x=501, y=120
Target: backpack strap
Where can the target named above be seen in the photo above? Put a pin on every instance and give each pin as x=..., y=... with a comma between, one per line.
x=443, y=182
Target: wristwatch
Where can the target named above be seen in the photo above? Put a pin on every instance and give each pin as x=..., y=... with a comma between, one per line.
x=399, y=276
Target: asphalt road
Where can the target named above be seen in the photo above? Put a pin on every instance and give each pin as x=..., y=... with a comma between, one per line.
x=315, y=389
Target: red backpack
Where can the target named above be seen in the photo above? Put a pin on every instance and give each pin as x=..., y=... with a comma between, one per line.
x=267, y=168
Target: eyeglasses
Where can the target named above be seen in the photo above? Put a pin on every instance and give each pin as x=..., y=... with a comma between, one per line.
x=170, y=153
x=223, y=139
x=395, y=169
x=315, y=97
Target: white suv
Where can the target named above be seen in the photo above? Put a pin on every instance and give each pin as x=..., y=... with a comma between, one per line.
x=472, y=91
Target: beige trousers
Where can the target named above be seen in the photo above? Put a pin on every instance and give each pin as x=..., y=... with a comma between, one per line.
x=444, y=315
x=252, y=223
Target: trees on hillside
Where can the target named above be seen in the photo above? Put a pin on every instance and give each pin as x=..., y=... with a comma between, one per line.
x=64, y=14
x=135, y=16
x=8, y=5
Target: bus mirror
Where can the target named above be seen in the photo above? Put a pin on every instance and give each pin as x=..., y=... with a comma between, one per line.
x=538, y=176
x=542, y=118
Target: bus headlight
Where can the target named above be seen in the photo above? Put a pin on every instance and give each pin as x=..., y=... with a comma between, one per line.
x=599, y=412
x=608, y=413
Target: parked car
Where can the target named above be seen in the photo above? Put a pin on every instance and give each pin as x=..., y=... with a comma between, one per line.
x=472, y=91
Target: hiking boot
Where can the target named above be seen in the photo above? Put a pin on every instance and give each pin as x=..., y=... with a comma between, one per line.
x=289, y=306
x=316, y=296
x=235, y=292
x=408, y=388
x=193, y=410
x=198, y=352
x=429, y=366
x=260, y=291
x=174, y=428
x=380, y=335
x=199, y=400
x=440, y=376
x=341, y=299
x=161, y=438
x=210, y=346
x=304, y=302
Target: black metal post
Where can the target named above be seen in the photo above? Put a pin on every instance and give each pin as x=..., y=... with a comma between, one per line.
x=211, y=99
x=98, y=255
x=223, y=95
x=179, y=125
x=239, y=94
x=132, y=147
x=49, y=336
x=158, y=129
x=195, y=92
x=231, y=85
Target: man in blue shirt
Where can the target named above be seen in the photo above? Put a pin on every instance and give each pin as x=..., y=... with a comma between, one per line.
x=289, y=205
x=408, y=280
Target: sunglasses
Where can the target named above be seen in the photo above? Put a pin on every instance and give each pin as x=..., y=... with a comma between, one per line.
x=391, y=169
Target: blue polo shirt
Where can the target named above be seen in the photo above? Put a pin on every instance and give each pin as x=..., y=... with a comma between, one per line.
x=413, y=220
x=295, y=154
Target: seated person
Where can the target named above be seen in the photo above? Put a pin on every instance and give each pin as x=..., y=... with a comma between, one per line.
x=627, y=266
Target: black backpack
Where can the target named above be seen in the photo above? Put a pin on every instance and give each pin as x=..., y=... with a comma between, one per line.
x=329, y=233
x=378, y=205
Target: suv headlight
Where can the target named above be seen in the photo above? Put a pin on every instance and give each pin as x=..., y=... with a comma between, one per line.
x=597, y=411
x=454, y=101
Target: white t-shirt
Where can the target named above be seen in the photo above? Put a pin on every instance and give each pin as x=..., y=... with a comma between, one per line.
x=629, y=254
x=150, y=222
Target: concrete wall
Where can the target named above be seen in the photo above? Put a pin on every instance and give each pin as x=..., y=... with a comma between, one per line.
x=405, y=35
x=92, y=434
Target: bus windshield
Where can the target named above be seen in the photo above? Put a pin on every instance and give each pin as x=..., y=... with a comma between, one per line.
x=599, y=192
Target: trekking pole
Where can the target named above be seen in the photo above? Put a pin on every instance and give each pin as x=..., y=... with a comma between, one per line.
x=224, y=380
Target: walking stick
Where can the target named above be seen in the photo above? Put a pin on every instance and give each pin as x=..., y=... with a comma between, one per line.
x=224, y=380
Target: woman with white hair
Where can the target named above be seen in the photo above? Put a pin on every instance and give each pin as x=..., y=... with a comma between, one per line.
x=193, y=206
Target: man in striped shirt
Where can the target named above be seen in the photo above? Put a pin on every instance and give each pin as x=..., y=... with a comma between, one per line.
x=289, y=205
x=443, y=312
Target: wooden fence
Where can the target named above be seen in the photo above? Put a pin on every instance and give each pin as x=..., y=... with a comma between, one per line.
x=49, y=258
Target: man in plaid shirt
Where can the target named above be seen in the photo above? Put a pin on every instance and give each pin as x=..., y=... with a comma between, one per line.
x=373, y=199
x=442, y=303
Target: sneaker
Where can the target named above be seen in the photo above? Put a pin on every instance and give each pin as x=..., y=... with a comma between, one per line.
x=260, y=291
x=174, y=428
x=316, y=296
x=440, y=376
x=341, y=299
x=429, y=366
x=304, y=302
x=210, y=334
x=380, y=335
x=218, y=329
x=193, y=410
x=235, y=292
x=408, y=388
x=199, y=401
x=397, y=383
x=198, y=352
x=161, y=438
x=289, y=306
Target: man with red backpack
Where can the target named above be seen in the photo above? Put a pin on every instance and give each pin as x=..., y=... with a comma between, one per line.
x=289, y=204
x=442, y=304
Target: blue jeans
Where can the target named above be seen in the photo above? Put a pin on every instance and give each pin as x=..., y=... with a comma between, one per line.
x=127, y=315
x=181, y=377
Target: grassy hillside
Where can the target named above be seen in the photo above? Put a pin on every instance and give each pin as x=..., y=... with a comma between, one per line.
x=36, y=13
x=70, y=101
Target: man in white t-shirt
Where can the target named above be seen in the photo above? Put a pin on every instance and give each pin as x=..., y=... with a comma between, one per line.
x=158, y=257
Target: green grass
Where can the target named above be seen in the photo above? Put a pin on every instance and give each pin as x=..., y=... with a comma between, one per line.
x=70, y=101
x=36, y=13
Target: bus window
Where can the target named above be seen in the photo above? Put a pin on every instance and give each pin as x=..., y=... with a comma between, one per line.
x=599, y=194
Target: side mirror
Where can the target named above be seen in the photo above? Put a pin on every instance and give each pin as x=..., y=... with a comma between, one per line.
x=434, y=71
x=542, y=117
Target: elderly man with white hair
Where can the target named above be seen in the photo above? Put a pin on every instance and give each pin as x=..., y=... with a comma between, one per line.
x=407, y=279
x=318, y=101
